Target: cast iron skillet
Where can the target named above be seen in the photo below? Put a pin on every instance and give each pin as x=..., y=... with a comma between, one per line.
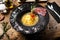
x=19, y=11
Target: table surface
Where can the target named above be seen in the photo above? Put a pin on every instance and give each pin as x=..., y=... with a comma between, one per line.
x=49, y=33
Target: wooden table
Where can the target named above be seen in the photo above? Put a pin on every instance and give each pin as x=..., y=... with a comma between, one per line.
x=49, y=33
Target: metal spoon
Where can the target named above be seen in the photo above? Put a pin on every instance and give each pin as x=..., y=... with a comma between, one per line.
x=51, y=8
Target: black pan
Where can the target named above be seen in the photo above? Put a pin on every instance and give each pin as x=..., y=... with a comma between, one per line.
x=18, y=12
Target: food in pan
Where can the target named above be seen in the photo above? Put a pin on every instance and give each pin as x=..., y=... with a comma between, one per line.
x=29, y=19
x=40, y=10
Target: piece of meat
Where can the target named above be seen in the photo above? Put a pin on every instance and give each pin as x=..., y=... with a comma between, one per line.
x=40, y=10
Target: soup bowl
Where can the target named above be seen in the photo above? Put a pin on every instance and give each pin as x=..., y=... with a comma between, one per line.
x=21, y=10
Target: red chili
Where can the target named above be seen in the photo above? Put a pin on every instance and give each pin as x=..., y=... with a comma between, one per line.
x=32, y=15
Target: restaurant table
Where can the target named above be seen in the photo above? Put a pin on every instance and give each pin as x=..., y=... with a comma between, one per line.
x=48, y=34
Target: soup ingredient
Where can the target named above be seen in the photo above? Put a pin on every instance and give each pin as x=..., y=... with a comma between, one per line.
x=32, y=15
x=29, y=19
x=40, y=10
